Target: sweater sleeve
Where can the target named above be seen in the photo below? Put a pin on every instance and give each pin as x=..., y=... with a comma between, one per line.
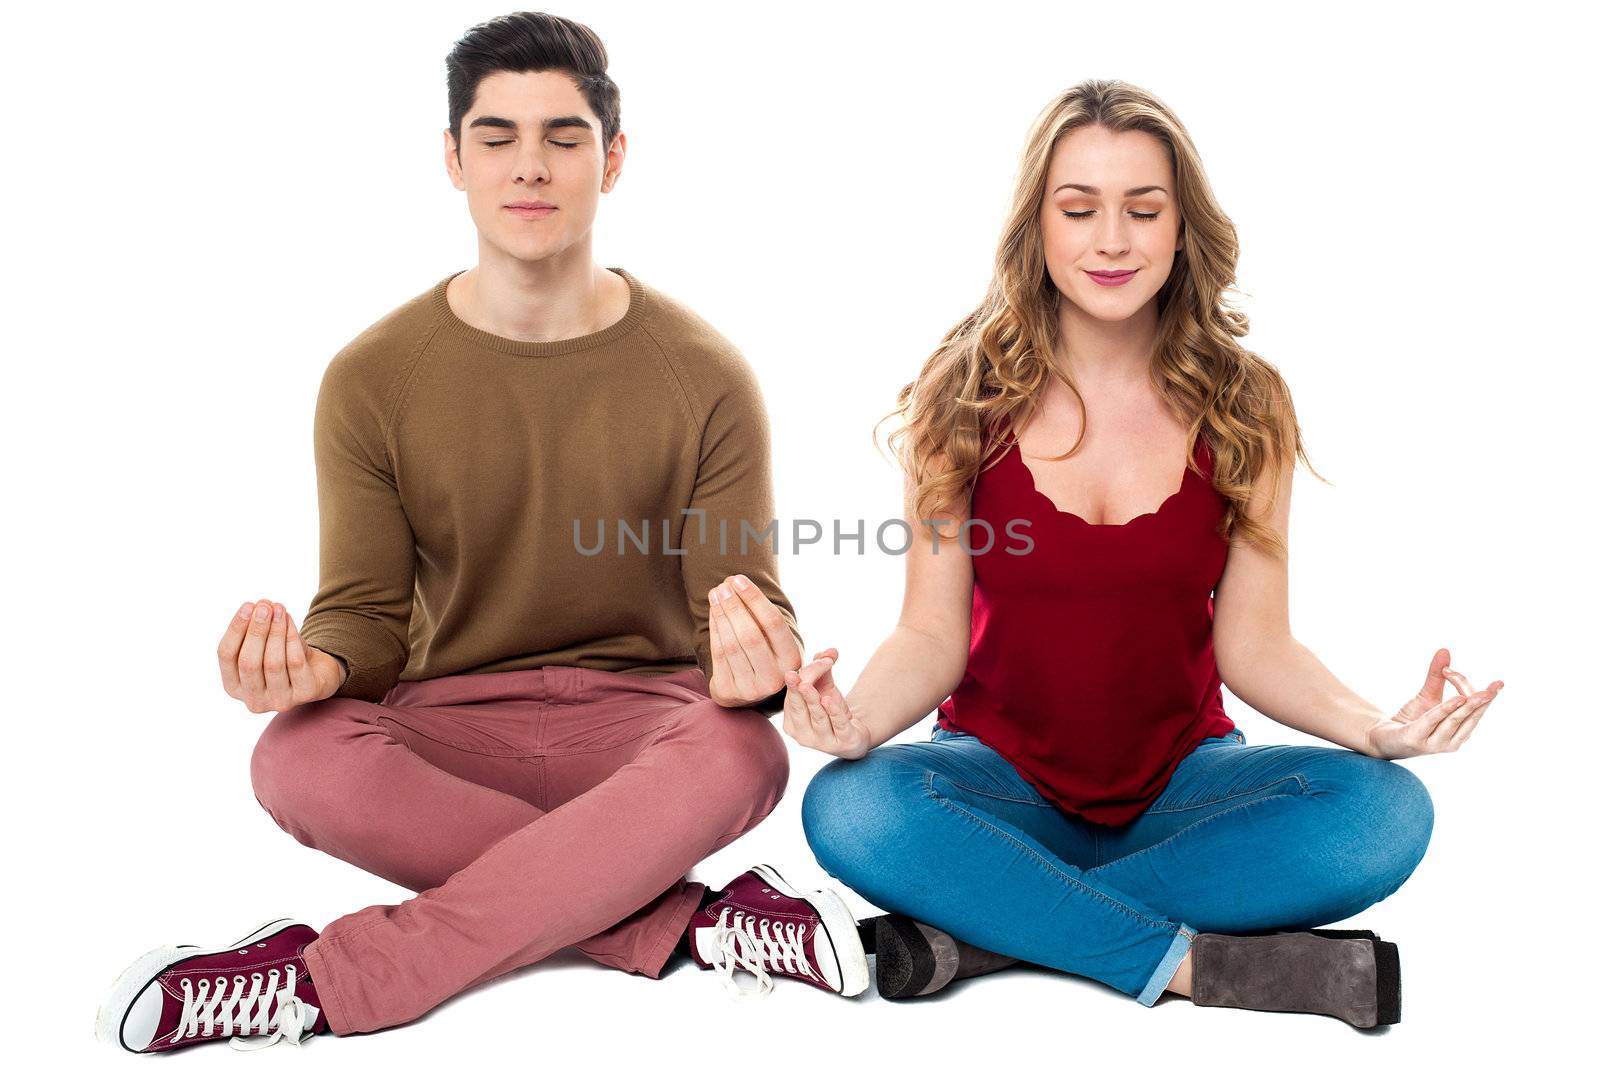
x=362, y=609
x=732, y=485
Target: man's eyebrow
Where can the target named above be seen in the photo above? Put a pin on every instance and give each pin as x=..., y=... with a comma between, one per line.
x=563, y=122
x=1094, y=190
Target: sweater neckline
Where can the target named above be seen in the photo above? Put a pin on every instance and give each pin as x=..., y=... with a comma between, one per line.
x=452, y=325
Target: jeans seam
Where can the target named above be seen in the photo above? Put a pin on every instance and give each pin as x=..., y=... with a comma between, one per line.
x=1304, y=786
x=1041, y=804
x=1189, y=828
x=927, y=784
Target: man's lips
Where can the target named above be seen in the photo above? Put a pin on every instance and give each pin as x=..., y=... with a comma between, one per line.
x=531, y=208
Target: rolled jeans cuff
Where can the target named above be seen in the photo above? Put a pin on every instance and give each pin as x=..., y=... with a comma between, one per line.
x=1169, y=965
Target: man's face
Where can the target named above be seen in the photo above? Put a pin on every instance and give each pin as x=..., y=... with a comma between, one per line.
x=531, y=139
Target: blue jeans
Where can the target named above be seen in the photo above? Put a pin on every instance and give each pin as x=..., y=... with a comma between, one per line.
x=1241, y=839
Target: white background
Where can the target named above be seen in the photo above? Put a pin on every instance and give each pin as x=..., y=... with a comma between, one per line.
x=204, y=203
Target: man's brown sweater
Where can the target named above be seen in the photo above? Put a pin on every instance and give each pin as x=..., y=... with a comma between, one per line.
x=452, y=464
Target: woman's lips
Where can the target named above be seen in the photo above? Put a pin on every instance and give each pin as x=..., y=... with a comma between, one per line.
x=1111, y=277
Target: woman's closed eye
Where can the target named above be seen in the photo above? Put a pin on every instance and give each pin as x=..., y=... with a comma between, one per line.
x=1136, y=214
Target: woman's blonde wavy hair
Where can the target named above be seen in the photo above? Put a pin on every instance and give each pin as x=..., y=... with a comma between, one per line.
x=992, y=367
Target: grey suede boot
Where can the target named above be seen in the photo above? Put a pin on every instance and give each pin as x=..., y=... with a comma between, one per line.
x=1350, y=974
x=918, y=959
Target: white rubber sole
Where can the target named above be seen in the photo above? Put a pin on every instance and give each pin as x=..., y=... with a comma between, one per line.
x=136, y=977
x=842, y=935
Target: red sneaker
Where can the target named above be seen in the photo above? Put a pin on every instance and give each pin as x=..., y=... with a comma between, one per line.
x=762, y=925
x=256, y=991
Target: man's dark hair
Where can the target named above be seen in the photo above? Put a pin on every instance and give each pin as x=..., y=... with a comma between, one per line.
x=531, y=41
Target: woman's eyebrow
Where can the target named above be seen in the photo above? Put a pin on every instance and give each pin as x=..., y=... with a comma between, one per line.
x=1094, y=190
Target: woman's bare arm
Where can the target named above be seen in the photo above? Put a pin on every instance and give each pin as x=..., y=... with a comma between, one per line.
x=914, y=668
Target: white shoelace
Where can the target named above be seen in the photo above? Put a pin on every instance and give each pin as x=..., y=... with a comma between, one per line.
x=217, y=1008
x=759, y=948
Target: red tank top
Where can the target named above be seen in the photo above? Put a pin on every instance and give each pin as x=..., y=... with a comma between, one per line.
x=1091, y=668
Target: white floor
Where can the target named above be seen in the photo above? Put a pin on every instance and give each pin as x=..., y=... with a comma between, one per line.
x=1472, y=991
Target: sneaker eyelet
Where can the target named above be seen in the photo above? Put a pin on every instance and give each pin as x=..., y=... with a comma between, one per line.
x=244, y=950
x=262, y=945
x=185, y=982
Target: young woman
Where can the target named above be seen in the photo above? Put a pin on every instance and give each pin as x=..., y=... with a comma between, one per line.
x=1098, y=481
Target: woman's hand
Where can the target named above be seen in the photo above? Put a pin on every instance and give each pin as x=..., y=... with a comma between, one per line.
x=751, y=644
x=816, y=715
x=1430, y=723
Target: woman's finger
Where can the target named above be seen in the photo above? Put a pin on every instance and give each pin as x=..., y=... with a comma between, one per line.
x=1419, y=732
x=819, y=716
x=1433, y=683
x=793, y=707
x=1461, y=683
x=839, y=715
x=1472, y=722
x=1456, y=718
x=814, y=670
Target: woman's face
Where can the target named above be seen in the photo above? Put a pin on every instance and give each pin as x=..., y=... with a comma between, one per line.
x=1110, y=211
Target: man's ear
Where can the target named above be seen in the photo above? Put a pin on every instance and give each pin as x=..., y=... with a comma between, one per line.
x=614, y=157
x=452, y=162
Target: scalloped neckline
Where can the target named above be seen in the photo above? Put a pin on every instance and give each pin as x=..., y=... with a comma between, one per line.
x=1085, y=522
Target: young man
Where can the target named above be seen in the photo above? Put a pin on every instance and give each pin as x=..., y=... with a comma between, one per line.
x=539, y=736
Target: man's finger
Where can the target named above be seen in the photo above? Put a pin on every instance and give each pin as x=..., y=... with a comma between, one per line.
x=749, y=632
x=228, y=649
x=252, y=649
x=273, y=659
x=733, y=652
x=718, y=651
x=768, y=617
x=302, y=678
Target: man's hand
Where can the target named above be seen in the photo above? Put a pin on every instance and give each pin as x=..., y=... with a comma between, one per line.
x=266, y=666
x=751, y=644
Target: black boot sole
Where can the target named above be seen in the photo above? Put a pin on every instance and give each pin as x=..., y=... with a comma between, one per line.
x=905, y=960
